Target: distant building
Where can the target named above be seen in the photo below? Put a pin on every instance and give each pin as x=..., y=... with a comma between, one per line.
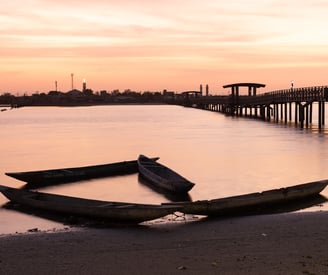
x=84, y=86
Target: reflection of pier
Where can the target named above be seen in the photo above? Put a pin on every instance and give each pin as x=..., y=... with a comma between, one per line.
x=282, y=105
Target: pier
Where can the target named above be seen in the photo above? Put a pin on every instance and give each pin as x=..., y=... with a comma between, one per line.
x=289, y=105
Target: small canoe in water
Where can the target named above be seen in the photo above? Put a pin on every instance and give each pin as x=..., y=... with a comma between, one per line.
x=63, y=175
x=110, y=211
x=162, y=176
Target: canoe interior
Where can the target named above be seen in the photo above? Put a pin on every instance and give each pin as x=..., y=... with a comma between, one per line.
x=162, y=176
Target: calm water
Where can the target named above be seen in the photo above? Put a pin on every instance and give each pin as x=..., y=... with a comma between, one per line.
x=224, y=156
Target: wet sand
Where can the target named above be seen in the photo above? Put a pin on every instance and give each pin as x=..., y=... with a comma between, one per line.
x=294, y=243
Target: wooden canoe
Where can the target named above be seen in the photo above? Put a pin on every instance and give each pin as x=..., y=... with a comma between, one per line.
x=162, y=176
x=64, y=175
x=251, y=202
x=110, y=211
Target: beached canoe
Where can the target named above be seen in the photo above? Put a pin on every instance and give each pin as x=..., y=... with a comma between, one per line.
x=162, y=176
x=107, y=210
x=63, y=175
x=249, y=203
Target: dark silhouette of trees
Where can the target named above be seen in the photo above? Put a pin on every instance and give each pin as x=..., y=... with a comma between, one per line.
x=87, y=97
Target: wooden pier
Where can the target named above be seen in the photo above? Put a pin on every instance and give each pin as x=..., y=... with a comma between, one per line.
x=289, y=105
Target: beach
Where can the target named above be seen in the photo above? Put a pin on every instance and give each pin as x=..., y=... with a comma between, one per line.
x=293, y=243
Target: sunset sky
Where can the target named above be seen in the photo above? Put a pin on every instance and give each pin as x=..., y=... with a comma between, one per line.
x=155, y=45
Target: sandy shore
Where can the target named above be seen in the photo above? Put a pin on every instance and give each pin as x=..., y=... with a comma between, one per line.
x=269, y=244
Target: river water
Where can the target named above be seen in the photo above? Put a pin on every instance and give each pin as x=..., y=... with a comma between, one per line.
x=223, y=155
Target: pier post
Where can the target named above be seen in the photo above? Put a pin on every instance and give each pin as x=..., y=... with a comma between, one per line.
x=268, y=111
x=281, y=111
x=307, y=116
x=323, y=112
x=319, y=115
x=286, y=115
x=301, y=109
x=296, y=113
x=262, y=112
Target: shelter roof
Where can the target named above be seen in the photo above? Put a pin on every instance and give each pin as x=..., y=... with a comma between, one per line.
x=257, y=85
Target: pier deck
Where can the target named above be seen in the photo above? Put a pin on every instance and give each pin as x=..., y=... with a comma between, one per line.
x=282, y=105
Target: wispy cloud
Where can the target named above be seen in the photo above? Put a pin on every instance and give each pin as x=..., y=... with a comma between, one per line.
x=157, y=35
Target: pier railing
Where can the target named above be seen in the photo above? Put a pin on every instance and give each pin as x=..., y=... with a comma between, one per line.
x=309, y=94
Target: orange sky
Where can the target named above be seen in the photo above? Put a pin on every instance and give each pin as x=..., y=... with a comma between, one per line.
x=155, y=45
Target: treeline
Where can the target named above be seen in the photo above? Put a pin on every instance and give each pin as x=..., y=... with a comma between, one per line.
x=86, y=97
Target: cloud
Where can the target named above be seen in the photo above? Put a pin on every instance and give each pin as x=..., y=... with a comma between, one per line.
x=180, y=36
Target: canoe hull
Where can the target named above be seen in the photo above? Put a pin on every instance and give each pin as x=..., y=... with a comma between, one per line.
x=136, y=213
x=244, y=203
x=65, y=175
x=111, y=211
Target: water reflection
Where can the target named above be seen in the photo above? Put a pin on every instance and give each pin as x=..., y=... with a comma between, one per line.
x=225, y=156
x=169, y=195
x=65, y=219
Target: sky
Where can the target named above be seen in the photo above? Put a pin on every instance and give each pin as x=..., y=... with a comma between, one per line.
x=149, y=45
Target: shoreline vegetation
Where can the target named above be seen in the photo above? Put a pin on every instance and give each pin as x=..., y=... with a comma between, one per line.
x=293, y=243
x=86, y=98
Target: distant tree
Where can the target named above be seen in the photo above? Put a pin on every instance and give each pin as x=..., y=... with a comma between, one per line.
x=88, y=92
x=115, y=92
x=54, y=93
x=103, y=93
x=6, y=98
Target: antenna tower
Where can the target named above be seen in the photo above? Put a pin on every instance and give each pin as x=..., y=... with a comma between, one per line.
x=72, y=78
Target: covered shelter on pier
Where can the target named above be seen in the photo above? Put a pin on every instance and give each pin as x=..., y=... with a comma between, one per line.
x=251, y=88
